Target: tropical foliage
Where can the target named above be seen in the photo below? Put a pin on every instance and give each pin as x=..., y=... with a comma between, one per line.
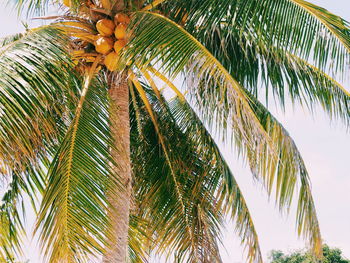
x=330, y=255
x=55, y=119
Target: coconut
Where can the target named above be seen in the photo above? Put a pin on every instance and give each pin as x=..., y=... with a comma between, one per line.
x=120, y=31
x=111, y=61
x=121, y=18
x=104, y=44
x=105, y=27
x=119, y=44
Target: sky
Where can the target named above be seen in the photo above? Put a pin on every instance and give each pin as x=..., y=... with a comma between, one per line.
x=325, y=147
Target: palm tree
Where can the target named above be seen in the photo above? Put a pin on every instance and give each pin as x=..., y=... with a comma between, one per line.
x=118, y=145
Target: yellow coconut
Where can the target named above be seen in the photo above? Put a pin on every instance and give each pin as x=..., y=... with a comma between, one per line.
x=104, y=44
x=120, y=31
x=111, y=61
x=121, y=18
x=105, y=27
x=119, y=44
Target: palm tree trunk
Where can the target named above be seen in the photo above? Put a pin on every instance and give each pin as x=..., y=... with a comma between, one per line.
x=120, y=127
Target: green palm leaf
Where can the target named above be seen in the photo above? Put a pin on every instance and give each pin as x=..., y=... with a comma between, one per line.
x=138, y=240
x=207, y=187
x=56, y=118
x=13, y=209
x=35, y=81
x=172, y=49
x=10, y=39
x=11, y=226
x=230, y=197
x=277, y=22
x=284, y=72
x=34, y=90
x=286, y=175
x=73, y=218
x=162, y=42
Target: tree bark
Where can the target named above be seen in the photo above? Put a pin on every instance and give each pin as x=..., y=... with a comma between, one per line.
x=117, y=251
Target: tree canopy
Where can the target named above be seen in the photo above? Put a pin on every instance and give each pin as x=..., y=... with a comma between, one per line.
x=330, y=255
x=56, y=139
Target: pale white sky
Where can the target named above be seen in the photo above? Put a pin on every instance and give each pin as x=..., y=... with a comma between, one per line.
x=325, y=147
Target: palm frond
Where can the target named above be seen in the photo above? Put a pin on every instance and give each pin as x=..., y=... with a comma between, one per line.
x=169, y=162
x=11, y=221
x=23, y=186
x=161, y=42
x=138, y=240
x=281, y=71
x=167, y=82
x=207, y=187
x=42, y=7
x=10, y=39
x=159, y=199
x=281, y=175
x=73, y=219
x=214, y=102
x=35, y=77
x=285, y=176
x=297, y=26
x=229, y=194
x=312, y=86
x=39, y=7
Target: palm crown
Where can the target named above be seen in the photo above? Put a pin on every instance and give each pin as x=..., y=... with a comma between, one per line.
x=64, y=131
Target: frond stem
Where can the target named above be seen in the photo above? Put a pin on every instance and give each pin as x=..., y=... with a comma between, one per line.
x=168, y=82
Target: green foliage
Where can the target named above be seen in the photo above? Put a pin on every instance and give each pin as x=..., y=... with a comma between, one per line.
x=73, y=214
x=189, y=166
x=272, y=155
x=55, y=137
x=34, y=77
x=33, y=80
x=282, y=72
x=330, y=255
x=276, y=23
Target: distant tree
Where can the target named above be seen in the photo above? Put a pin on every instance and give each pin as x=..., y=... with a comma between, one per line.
x=331, y=255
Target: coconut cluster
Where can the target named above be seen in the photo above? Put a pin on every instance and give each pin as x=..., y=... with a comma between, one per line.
x=111, y=35
x=111, y=39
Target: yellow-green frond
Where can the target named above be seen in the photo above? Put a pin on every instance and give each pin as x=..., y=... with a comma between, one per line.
x=73, y=220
